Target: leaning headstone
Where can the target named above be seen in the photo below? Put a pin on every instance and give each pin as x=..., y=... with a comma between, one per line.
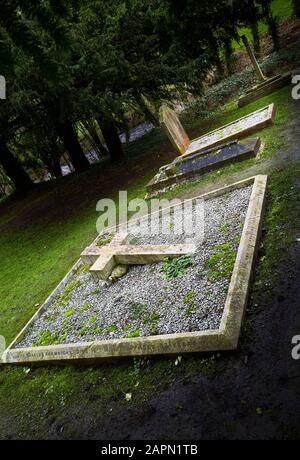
x=266, y=85
x=174, y=129
x=253, y=59
x=192, y=166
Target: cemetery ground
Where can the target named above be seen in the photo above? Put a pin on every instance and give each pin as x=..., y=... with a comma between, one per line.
x=251, y=393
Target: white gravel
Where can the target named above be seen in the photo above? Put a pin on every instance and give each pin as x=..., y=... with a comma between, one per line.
x=233, y=128
x=143, y=302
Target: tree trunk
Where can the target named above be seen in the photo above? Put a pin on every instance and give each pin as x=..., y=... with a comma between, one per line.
x=14, y=170
x=272, y=24
x=220, y=71
x=273, y=31
x=296, y=4
x=256, y=39
x=95, y=140
x=228, y=56
x=111, y=137
x=72, y=145
x=56, y=168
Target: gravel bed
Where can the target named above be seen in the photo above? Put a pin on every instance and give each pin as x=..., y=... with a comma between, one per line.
x=144, y=302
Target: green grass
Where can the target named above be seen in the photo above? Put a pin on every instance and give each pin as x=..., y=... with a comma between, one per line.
x=35, y=257
x=282, y=9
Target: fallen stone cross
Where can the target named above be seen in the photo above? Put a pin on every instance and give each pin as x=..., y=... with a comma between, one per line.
x=118, y=252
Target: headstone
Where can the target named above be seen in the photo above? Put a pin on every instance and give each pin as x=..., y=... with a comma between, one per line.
x=266, y=85
x=254, y=61
x=185, y=167
x=174, y=129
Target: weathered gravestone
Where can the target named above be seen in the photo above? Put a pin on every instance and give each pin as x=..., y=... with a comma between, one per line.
x=191, y=166
x=236, y=130
x=266, y=85
x=174, y=129
x=257, y=68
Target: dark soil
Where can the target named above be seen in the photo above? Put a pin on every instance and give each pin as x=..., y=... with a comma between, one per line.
x=256, y=396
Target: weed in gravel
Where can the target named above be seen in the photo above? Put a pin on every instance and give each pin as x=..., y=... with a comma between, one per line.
x=84, y=308
x=47, y=338
x=133, y=334
x=136, y=310
x=173, y=268
x=111, y=328
x=69, y=312
x=220, y=265
x=190, y=310
x=188, y=297
x=103, y=241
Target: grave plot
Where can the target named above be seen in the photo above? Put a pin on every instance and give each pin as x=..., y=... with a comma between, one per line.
x=270, y=85
x=192, y=301
x=191, y=166
x=238, y=129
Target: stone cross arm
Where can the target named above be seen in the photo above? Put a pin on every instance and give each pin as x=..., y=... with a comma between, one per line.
x=111, y=256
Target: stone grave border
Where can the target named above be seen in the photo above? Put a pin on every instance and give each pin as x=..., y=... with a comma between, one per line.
x=263, y=89
x=240, y=135
x=224, y=338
